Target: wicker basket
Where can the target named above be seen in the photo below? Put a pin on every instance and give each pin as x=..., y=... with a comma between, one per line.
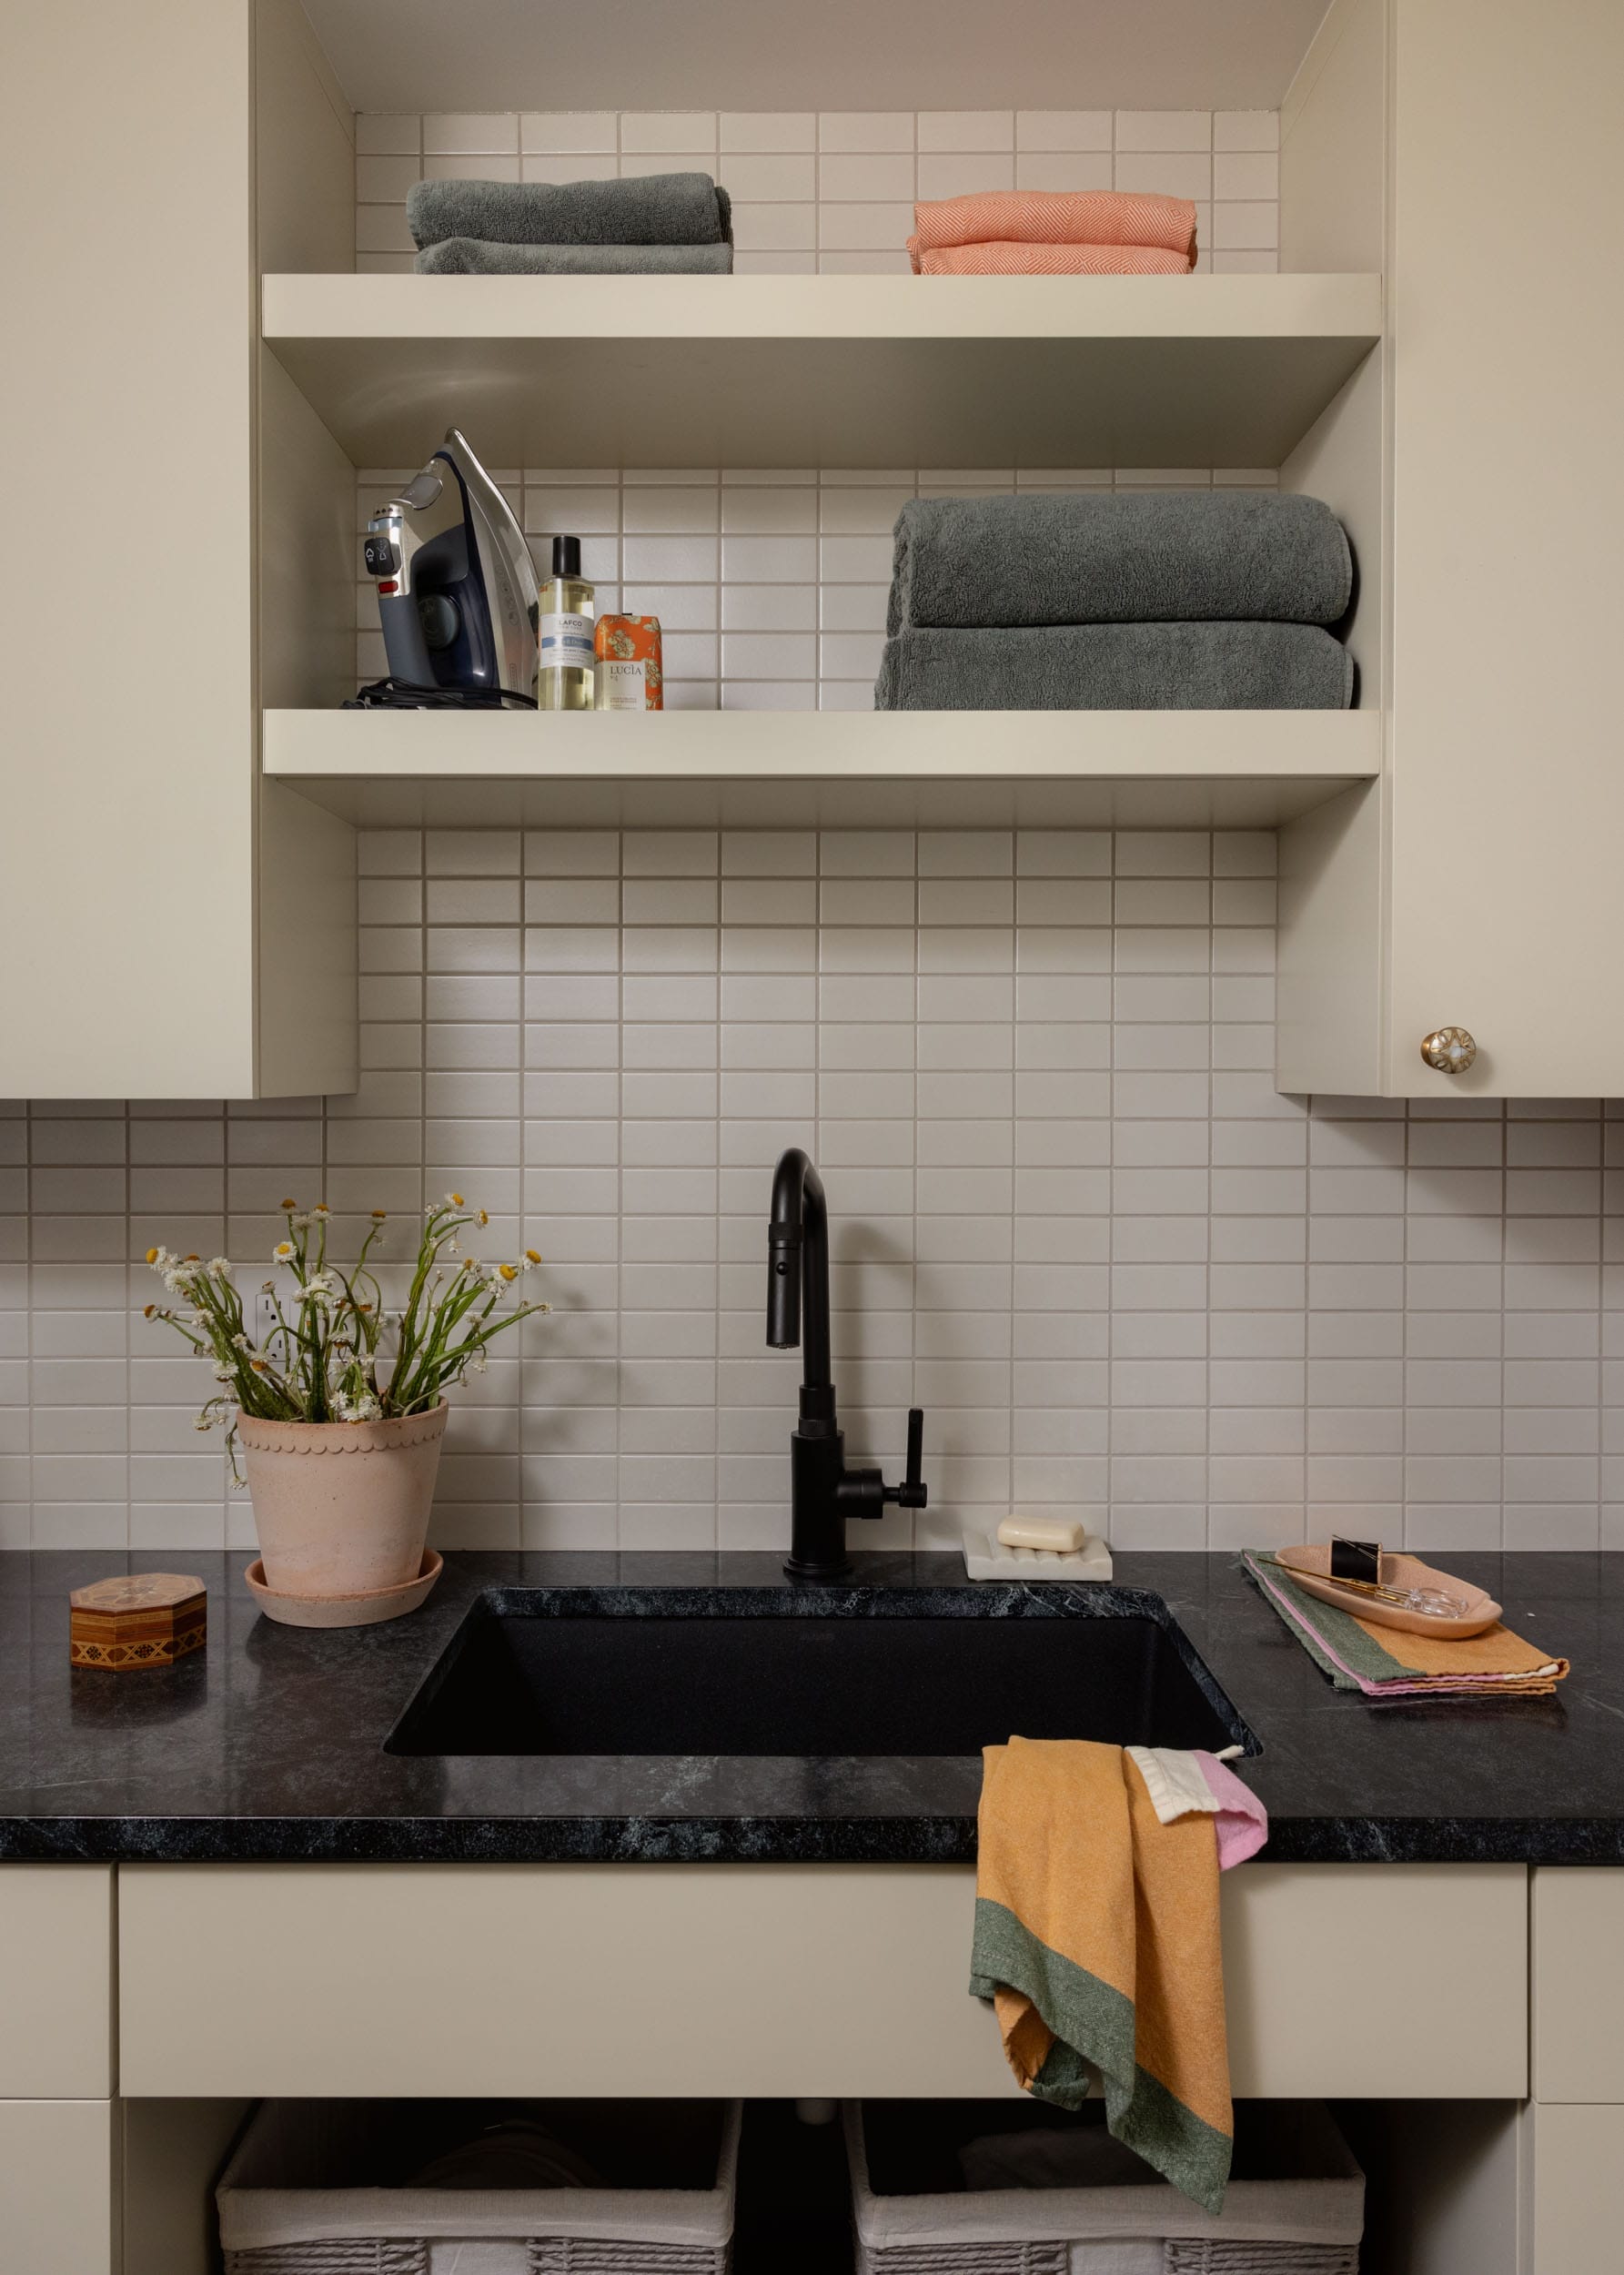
x=1295, y=2206
x=314, y=2188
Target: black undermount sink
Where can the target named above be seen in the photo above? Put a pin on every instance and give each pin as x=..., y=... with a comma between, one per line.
x=792, y=1671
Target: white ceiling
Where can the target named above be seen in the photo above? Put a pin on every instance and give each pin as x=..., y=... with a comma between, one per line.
x=814, y=55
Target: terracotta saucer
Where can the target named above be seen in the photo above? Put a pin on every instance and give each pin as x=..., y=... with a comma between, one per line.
x=344, y=1611
x=1311, y=1568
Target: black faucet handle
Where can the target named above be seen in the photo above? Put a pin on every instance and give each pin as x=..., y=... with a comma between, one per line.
x=913, y=1492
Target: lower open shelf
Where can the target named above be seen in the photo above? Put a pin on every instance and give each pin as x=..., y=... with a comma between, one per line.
x=1032, y=769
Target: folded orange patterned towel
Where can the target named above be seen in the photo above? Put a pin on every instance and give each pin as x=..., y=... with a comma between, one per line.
x=1065, y=217
x=1009, y=259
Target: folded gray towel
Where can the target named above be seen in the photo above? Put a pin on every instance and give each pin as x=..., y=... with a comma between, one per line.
x=477, y=257
x=650, y=210
x=1119, y=558
x=1116, y=667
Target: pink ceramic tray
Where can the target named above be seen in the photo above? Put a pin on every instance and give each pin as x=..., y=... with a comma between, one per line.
x=1311, y=1567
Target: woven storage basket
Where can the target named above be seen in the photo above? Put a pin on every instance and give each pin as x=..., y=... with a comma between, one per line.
x=308, y=2192
x=1296, y=2207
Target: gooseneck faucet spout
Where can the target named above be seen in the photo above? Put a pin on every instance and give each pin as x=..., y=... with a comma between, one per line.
x=798, y=1267
x=823, y=1492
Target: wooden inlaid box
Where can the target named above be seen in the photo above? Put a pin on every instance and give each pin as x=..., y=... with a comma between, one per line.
x=146, y=1619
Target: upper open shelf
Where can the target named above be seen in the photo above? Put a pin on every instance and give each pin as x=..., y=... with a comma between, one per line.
x=824, y=371
x=765, y=770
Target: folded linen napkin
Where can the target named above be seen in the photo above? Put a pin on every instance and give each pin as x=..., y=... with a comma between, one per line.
x=1119, y=557
x=647, y=210
x=1381, y=1663
x=1098, y=1940
x=479, y=257
x=1057, y=216
x=1116, y=667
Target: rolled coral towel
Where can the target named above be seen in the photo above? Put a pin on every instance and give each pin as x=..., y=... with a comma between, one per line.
x=650, y=210
x=1057, y=216
x=478, y=257
x=1119, y=557
x=1016, y=259
x=1116, y=667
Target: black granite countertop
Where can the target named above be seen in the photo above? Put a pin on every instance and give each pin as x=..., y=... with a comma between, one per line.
x=270, y=1745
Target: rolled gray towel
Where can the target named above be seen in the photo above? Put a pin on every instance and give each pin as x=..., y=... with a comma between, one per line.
x=477, y=257
x=648, y=209
x=1116, y=667
x=1120, y=558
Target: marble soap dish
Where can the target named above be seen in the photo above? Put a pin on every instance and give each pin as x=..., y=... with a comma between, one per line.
x=987, y=1557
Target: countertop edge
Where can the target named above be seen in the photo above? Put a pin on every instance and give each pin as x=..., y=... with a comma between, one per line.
x=630, y=1840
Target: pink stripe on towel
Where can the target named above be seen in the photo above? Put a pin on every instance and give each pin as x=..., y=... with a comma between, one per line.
x=1012, y=257
x=1241, y=1819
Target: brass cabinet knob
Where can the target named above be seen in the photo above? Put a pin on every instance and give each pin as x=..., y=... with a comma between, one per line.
x=1448, y=1049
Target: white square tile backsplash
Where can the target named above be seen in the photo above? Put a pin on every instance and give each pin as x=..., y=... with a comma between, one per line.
x=834, y=191
x=1072, y=1217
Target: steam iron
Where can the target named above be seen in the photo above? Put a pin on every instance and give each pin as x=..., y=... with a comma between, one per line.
x=456, y=590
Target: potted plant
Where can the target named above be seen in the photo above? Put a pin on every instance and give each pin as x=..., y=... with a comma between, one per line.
x=340, y=1408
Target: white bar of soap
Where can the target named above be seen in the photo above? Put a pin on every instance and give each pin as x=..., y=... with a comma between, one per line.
x=1058, y=1534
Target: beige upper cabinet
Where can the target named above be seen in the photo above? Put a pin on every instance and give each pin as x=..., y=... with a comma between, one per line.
x=174, y=921
x=132, y=902
x=1475, y=148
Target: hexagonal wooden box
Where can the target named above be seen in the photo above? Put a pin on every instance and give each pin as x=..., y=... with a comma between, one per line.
x=147, y=1618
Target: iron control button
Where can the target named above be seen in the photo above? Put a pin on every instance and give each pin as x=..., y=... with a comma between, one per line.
x=380, y=557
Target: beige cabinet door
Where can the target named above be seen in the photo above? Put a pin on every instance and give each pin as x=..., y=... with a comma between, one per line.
x=815, y=1979
x=55, y=1980
x=1578, y=2191
x=59, y=2210
x=1506, y=904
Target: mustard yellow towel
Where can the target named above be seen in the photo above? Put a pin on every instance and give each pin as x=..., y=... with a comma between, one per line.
x=1098, y=1940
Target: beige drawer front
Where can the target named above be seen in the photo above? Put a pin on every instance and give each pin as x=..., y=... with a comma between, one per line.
x=1578, y=1986
x=1578, y=2191
x=59, y=2210
x=55, y=1980
x=820, y=1979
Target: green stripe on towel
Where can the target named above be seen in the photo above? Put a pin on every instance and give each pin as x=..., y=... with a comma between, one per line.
x=1093, y=2028
x=1341, y=1629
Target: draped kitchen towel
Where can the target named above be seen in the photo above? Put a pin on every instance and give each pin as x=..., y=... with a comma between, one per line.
x=647, y=210
x=1098, y=1940
x=1013, y=259
x=1117, y=557
x=1116, y=667
x=481, y=256
x=1382, y=1663
x=1057, y=216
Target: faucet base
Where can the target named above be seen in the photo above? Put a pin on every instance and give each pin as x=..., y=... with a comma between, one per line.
x=797, y=1568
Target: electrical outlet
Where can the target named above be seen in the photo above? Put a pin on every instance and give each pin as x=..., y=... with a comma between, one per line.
x=264, y=1316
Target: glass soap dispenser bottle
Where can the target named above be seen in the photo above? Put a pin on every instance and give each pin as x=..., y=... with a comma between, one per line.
x=568, y=629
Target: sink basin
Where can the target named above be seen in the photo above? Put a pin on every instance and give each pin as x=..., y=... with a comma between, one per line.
x=792, y=1671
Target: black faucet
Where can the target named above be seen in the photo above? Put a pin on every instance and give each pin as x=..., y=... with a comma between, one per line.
x=823, y=1492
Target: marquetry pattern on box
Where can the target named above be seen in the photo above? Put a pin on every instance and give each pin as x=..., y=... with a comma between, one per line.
x=147, y=1618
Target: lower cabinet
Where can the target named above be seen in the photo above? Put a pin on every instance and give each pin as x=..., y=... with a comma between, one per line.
x=60, y=2196
x=1575, y=2198
x=1576, y=2125
x=815, y=1979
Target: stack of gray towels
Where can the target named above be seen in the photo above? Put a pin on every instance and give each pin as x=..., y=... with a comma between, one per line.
x=1117, y=601
x=653, y=225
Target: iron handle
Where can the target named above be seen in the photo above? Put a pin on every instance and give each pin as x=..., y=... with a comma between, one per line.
x=1450, y=1050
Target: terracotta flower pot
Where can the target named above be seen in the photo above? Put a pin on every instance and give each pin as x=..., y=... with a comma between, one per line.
x=341, y=1509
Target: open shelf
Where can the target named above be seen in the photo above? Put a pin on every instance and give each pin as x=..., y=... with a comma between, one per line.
x=823, y=371
x=1136, y=769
